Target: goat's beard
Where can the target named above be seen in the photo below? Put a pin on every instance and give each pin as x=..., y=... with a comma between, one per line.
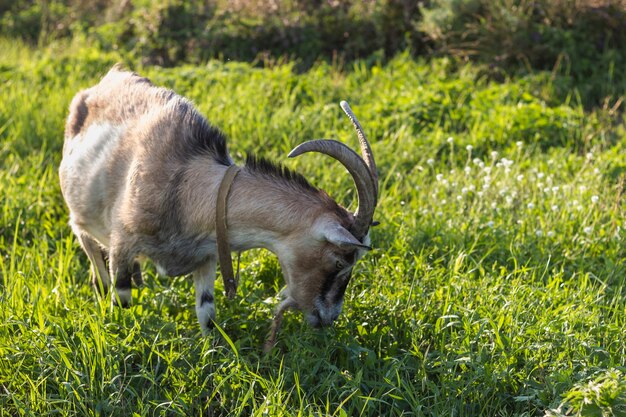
x=278, y=318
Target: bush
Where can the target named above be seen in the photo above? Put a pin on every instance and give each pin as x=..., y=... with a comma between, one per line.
x=193, y=31
x=578, y=39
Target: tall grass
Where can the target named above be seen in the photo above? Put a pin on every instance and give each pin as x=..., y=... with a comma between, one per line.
x=496, y=286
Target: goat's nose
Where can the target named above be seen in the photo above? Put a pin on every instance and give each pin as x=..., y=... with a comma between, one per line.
x=314, y=319
x=330, y=320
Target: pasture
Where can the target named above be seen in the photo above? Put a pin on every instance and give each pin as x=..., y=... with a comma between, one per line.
x=497, y=285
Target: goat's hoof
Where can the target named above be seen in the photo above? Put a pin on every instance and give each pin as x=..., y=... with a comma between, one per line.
x=208, y=327
x=121, y=303
x=121, y=298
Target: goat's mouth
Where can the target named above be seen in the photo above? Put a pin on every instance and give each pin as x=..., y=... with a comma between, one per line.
x=318, y=318
x=314, y=319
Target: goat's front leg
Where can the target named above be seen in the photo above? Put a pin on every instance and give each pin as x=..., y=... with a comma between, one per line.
x=204, y=283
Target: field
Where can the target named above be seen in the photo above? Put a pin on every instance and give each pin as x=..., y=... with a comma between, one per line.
x=496, y=287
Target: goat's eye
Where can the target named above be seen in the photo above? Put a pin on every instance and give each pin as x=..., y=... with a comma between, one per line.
x=339, y=265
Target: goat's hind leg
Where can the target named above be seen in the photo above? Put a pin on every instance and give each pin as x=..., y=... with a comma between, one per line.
x=124, y=269
x=204, y=283
x=99, y=273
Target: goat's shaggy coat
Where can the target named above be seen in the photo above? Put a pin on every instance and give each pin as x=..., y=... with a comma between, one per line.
x=140, y=173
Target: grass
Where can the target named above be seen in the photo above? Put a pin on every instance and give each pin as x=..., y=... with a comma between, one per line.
x=497, y=286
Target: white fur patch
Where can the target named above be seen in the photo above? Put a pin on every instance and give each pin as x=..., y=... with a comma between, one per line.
x=205, y=313
x=85, y=182
x=124, y=295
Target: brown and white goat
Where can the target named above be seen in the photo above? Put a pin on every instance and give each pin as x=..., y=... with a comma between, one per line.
x=140, y=174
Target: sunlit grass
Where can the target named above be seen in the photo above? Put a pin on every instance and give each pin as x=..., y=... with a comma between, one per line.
x=496, y=286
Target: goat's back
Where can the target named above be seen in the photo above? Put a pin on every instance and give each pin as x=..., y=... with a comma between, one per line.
x=126, y=139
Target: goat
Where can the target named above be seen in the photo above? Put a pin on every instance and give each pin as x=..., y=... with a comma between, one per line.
x=140, y=175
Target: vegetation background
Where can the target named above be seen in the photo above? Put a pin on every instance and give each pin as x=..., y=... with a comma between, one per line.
x=497, y=286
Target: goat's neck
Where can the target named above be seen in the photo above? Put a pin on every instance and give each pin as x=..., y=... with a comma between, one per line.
x=263, y=212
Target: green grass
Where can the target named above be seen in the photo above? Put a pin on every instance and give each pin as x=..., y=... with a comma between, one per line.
x=497, y=286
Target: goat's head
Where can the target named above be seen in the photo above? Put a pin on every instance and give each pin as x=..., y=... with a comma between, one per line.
x=318, y=265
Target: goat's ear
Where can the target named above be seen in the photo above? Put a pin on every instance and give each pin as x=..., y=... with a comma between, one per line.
x=339, y=236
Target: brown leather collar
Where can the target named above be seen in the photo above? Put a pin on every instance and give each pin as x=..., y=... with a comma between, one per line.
x=223, y=246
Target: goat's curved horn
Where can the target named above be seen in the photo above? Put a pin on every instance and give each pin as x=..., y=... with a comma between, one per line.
x=363, y=171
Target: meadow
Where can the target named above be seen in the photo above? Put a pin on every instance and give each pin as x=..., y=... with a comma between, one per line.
x=496, y=286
